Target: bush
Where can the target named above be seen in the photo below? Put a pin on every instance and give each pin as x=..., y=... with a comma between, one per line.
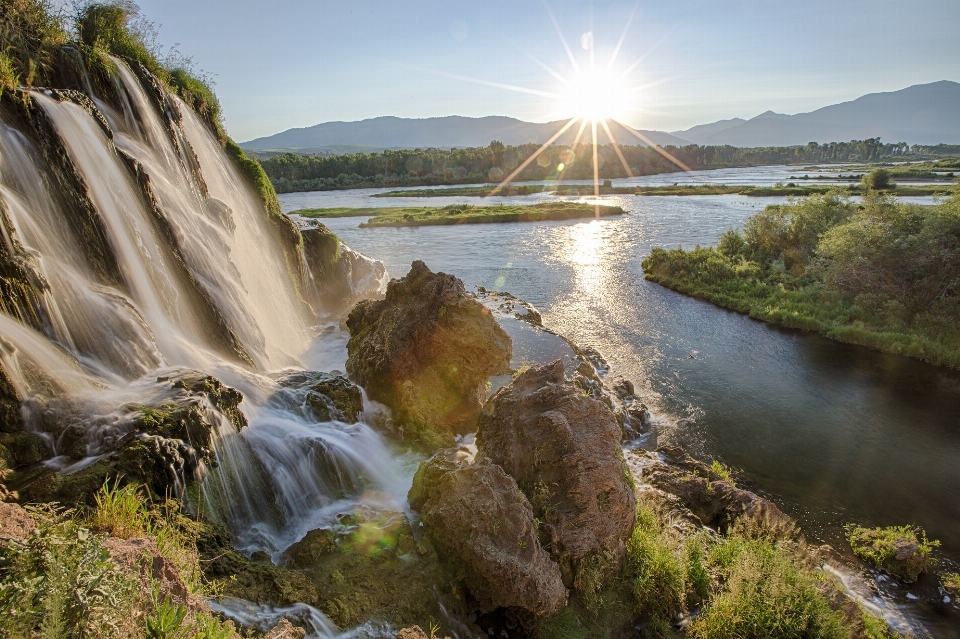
x=877, y=180
x=767, y=592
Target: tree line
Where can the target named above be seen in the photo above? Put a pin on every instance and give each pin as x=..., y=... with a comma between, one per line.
x=292, y=172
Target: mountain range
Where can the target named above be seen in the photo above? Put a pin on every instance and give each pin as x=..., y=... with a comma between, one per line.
x=919, y=114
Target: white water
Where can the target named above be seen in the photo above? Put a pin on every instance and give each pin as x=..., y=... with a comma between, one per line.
x=104, y=346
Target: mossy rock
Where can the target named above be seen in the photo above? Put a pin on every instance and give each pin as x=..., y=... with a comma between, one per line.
x=325, y=397
x=902, y=551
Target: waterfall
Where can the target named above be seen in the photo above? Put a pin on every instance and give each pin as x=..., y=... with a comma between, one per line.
x=203, y=284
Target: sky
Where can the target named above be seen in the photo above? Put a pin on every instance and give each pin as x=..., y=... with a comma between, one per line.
x=281, y=64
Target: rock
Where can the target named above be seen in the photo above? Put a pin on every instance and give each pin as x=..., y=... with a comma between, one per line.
x=285, y=630
x=428, y=476
x=415, y=632
x=15, y=523
x=163, y=445
x=338, y=276
x=563, y=449
x=717, y=502
x=428, y=350
x=142, y=555
x=902, y=551
x=323, y=396
x=309, y=550
x=482, y=527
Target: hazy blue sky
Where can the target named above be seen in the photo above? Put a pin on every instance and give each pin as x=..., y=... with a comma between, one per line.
x=292, y=63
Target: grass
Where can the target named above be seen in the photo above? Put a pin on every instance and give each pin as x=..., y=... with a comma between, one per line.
x=466, y=214
x=951, y=581
x=463, y=214
x=880, y=546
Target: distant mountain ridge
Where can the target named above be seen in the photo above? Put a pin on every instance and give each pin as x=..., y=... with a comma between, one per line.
x=387, y=132
x=919, y=114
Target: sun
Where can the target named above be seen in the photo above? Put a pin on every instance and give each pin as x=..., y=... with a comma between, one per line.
x=596, y=95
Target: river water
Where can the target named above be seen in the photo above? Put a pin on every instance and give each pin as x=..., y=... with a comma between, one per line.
x=835, y=434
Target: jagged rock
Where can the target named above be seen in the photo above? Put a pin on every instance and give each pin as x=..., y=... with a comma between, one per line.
x=427, y=350
x=325, y=397
x=717, y=502
x=428, y=476
x=285, y=630
x=482, y=527
x=563, y=449
x=308, y=551
x=338, y=276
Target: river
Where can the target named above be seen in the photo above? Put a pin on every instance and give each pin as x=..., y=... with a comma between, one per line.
x=835, y=434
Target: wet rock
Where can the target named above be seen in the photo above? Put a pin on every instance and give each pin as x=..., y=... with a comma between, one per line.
x=338, y=276
x=428, y=350
x=482, y=527
x=309, y=550
x=563, y=449
x=325, y=397
x=428, y=476
x=285, y=630
x=717, y=502
x=624, y=388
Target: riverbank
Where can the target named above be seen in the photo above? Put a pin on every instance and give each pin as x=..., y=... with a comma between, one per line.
x=880, y=275
x=465, y=214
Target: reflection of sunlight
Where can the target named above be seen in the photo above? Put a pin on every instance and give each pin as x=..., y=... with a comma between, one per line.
x=586, y=242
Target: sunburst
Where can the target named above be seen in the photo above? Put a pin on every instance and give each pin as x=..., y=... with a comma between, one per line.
x=594, y=96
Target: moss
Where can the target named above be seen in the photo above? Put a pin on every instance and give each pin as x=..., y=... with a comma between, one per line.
x=256, y=175
x=902, y=551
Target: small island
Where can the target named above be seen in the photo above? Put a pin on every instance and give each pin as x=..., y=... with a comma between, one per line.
x=465, y=214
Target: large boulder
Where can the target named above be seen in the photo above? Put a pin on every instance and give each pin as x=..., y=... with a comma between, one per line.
x=483, y=528
x=563, y=449
x=711, y=497
x=428, y=350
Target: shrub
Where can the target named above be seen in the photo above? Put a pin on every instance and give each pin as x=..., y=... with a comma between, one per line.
x=951, y=581
x=877, y=180
x=767, y=592
x=60, y=583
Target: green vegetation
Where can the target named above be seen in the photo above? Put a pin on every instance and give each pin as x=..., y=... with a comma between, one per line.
x=464, y=214
x=903, y=551
x=756, y=581
x=60, y=581
x=951, y=581
x=878, y=180
x=882, y=274
x=292, y=172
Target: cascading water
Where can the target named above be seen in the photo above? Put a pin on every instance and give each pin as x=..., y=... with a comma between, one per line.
x=196, y=244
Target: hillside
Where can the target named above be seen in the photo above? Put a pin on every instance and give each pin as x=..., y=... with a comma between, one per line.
x=390, y=132
x=919, y=114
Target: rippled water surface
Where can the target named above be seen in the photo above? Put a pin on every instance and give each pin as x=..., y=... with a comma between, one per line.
x=834, y=433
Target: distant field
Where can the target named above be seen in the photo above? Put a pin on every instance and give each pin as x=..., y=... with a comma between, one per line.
x=465, y=214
